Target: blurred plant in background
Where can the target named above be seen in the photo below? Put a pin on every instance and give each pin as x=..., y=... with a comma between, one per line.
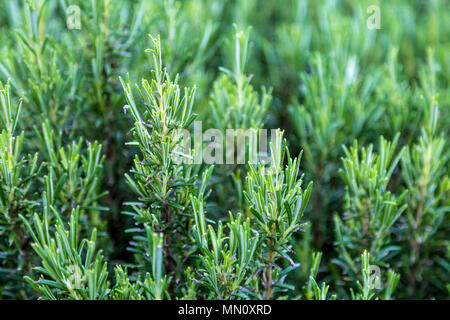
x=311, y=68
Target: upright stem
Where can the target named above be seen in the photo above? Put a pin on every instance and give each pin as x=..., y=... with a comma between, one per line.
x=269, y=289
x=415, y=244
x=167, y=251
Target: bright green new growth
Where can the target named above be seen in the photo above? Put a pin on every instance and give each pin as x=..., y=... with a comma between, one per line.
x=102, y=201
x=64, y=273
x=18, y=173
x=225, y=267
x=371, y=210
x=163, y=186
x=277, y=203
x=170, y=211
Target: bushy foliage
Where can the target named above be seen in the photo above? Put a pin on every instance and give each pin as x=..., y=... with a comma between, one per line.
x=100, y=198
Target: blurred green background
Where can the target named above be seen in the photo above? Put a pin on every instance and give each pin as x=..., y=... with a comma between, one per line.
x=333, y=80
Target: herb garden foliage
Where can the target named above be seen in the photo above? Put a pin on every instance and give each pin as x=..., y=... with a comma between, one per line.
x=93, y=205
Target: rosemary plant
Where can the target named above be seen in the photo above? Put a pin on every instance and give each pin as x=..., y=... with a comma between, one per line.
x=104, y=201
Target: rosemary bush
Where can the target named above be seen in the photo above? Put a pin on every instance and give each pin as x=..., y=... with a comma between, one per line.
x=103, y=196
